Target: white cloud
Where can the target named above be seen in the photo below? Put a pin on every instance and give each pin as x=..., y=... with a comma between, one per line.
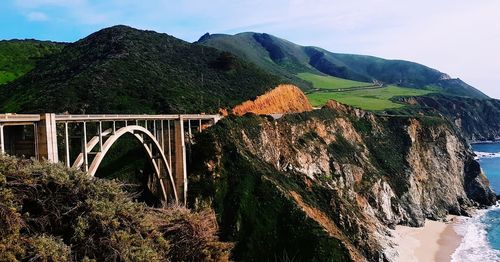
x=73, y=11
x=37, y=16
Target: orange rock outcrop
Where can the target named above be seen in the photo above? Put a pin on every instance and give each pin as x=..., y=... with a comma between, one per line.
x=281, y=100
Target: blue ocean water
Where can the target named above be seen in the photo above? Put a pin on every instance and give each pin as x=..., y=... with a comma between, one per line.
x=481, y=233
x=490, y=166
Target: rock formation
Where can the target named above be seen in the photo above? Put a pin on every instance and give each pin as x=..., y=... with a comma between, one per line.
x=329, y=183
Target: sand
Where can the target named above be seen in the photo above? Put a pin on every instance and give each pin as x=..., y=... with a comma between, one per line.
x=436, y=241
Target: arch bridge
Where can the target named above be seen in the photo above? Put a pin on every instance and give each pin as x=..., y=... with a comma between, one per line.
x=82, y=142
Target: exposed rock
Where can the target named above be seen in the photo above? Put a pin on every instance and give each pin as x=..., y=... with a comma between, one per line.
x=349, y=172
x=477, y=119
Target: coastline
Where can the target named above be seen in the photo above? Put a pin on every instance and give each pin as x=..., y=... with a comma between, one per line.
x=435, y=241
x=475, y=142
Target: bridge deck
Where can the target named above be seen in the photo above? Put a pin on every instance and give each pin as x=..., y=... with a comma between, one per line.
x=7, y=119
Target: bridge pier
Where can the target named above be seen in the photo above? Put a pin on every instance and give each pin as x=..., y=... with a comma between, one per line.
x=180, y=171
x=46, y=137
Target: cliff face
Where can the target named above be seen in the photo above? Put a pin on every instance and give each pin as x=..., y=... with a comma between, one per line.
x=477, y=119
x=282, y=99
x=328, y=183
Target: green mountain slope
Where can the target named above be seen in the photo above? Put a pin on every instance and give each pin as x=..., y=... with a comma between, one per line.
x=18, y=57
x=125, y=70
x=289, y=59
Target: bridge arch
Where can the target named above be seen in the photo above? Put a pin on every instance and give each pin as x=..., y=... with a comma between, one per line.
x=151, y=146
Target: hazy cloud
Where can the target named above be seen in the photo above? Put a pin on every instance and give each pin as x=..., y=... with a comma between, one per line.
x=37, y=16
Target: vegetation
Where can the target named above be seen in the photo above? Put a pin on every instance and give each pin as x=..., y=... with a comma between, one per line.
x=50, y=213
x=18, y=57
x=330, y=82
x=251, y=200
x=124, y=70
x=287, y=59
x=476, y=119
x=251, y=188
x=369, y=99
x=263, y=50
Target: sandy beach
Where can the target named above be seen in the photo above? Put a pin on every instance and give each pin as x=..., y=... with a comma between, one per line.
x=436, y=241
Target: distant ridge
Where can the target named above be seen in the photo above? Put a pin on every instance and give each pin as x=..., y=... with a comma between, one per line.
x=288, y=59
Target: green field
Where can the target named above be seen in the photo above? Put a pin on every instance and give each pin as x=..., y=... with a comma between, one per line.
x=330, y=82
x=372, y=99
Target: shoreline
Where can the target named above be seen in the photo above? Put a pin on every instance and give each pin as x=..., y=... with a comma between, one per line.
x=475, y=142
x=435, y=241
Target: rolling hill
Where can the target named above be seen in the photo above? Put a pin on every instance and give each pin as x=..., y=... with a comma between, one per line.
x=18, y=57
x=289, y=60
x=124, y=70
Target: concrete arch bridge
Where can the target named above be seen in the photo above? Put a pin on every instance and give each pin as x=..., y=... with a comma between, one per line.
x=52, y=137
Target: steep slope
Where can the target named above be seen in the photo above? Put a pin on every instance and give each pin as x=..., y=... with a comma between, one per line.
x=261, y=50
x=18, y=57
x=125, y=70
x=478, y=120
x=328, y=183
x=288, y=59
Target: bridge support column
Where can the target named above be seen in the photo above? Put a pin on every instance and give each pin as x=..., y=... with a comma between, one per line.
x=47, y=138
x=180, y=172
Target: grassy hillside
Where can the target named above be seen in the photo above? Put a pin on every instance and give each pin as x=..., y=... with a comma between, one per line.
x=286, y=58
x=369, y=99
x=331, y=82
x=18, y=57
x=125, y=70
x=368, y=96
x=262, y=52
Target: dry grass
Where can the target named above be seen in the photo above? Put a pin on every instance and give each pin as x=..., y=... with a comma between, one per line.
x=282, y=99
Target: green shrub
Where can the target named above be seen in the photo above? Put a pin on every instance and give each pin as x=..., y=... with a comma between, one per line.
x=51, y=213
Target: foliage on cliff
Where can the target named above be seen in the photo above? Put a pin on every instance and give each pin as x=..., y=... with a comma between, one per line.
x=50, y=213
x=476, y=119
x=328, y=183
x=18, y=57
x=282, y=99
x=125, y=70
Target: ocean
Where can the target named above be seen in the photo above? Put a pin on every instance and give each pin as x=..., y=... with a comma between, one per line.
x=481, y=233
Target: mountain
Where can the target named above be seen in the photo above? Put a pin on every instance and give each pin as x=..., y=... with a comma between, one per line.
x=125, y=70
x=289, y=60
x=18, y=57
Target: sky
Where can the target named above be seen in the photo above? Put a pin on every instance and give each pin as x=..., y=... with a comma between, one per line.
x=458, y=37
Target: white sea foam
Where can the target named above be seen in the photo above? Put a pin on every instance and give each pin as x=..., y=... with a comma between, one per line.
x=474, y=246
x=480, y=155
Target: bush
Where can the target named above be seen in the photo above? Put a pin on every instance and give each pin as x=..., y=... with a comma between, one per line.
x=50, y=213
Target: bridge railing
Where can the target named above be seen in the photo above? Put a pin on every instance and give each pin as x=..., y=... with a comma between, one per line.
x=170, y=132
x=133, y=117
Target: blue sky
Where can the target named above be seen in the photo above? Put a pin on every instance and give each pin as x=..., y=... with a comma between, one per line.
x=458, y=37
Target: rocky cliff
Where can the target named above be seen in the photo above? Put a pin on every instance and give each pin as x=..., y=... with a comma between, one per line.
x=477, y=119
x=326, y=184
x=282, y=99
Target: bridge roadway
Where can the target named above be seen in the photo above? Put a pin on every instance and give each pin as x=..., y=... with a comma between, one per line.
x=164, y=138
